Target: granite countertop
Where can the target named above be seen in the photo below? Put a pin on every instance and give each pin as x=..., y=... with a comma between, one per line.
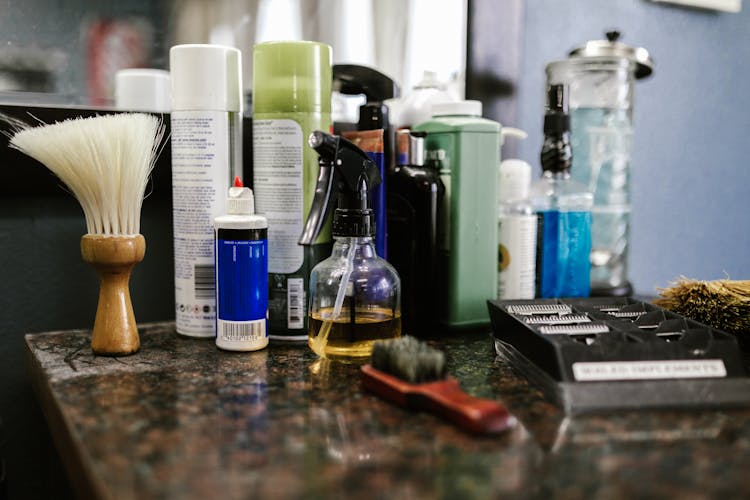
x=181, y=419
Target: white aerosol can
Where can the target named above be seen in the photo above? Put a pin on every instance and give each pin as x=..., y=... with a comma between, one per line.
x=206, y=155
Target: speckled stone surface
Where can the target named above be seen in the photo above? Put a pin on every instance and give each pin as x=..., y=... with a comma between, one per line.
x=182, y=419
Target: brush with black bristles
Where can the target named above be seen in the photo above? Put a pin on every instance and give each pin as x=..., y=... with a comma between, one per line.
x=413, y=375
x=105, y=161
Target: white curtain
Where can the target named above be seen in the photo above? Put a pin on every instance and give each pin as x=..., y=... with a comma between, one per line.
x=401, y=38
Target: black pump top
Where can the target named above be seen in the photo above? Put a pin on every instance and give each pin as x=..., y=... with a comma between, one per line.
x=556, y=152
x=556, y=119
x=346, y=171
x=353, y=79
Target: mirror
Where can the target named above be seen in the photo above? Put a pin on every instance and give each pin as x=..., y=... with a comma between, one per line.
x=67, y=53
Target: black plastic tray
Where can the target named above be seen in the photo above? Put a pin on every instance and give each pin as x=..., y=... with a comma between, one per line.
x=606, y=353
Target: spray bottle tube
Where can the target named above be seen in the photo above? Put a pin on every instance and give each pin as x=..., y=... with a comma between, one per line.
x=206, y=154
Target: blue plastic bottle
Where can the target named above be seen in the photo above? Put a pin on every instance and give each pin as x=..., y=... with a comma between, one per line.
x=563, y=209
x=241, y=248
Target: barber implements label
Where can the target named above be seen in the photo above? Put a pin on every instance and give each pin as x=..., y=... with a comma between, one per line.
x=649, y=370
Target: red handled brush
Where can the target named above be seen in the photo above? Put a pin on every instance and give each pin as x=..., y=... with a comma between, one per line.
x=412, y=374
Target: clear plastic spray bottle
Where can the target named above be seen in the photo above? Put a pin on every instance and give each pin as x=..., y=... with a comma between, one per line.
x=564, y=210
x=355, y=296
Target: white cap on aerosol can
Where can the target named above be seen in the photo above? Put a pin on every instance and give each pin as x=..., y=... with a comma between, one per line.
x=142, y=89
x=206, y=77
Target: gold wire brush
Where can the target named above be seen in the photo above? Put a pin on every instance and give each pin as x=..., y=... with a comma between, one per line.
x=105, y=161
x=722, y=304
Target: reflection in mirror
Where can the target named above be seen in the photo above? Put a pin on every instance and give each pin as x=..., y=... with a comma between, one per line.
x=71, y=54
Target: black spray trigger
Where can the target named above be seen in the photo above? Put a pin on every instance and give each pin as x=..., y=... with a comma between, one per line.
x=347, y=171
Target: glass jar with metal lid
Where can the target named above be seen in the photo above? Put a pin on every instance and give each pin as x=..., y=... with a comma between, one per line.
x=601, y=77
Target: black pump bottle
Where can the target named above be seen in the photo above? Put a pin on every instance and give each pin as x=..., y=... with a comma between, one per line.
x=373, y=131
x=415, y=193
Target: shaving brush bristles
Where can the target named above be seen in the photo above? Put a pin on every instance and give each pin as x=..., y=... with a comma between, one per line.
x=105, y=161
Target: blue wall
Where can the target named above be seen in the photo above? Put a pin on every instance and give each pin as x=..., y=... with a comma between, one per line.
x=690, y=169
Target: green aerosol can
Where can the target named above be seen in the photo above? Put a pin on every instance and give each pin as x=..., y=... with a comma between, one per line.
x=291, y=98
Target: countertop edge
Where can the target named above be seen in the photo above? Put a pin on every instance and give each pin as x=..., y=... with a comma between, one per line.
x=80, y=474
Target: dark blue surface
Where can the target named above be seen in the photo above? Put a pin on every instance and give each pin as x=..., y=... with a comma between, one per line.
x=242, y=279
x=377, y=199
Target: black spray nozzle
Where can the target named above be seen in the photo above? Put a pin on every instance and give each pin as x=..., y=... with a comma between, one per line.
x=345, y=171
x=556, y=119
x=556, y=153
x=353, y=79
x=557, y=101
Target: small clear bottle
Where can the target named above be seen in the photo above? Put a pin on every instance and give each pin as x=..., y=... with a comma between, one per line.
x=563, y=209
x=517, y=237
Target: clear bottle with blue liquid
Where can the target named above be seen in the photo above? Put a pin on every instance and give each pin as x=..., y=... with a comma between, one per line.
x=563, y=209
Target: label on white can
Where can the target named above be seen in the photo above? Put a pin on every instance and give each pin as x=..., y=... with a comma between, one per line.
x=200, y=181
x=516, y=257
x=277, y=181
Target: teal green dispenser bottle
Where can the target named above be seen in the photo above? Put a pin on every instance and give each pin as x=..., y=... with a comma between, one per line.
x=465, y=148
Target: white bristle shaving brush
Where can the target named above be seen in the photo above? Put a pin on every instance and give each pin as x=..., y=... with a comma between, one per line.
x=105, y=161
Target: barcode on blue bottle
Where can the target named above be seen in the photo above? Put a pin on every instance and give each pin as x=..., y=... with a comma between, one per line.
x=244, y=331
x=295, y=303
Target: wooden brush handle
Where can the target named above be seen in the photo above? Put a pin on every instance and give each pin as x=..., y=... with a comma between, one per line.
x=446, y=398
x=113, y=257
